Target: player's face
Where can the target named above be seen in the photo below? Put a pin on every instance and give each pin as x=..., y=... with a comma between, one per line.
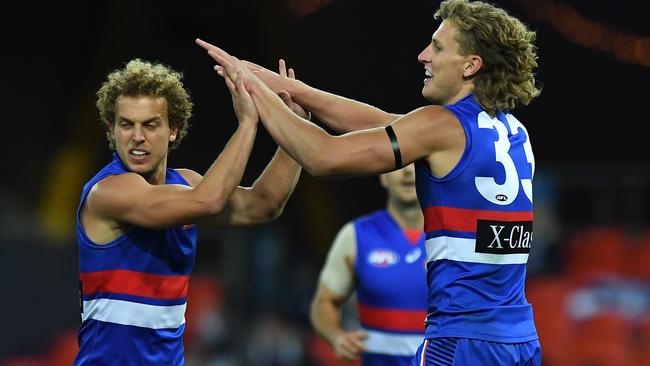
x=401, y=185
x=443, y=66
x=142, y=134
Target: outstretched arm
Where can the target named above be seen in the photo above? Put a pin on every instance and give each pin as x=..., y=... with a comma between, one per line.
x=335, y=286
x=336, y=112
x=430, y=132
x=357, y=153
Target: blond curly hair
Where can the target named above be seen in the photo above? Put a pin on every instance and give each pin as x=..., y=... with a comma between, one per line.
x=506, y=47
x=141, y=78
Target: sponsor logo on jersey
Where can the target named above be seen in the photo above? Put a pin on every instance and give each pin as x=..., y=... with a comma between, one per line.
x=413, y=255
x=503, y=237
x=382, y=258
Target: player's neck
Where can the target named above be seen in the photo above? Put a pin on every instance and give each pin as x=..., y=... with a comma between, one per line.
x=408, y=216
x=463, y=92
x=159, y=175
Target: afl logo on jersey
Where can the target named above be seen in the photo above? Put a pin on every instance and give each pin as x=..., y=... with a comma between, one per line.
x=382, y=258
x=501, y=197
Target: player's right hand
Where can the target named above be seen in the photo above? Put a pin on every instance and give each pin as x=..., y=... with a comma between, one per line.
x=348, y=345
x=275, y=81
x=242, y=102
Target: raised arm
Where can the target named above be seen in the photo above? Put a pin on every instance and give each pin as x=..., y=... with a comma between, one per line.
x=264, y=201
x=430, y=132
x=129, y=199
x=260, y=203
x=336, y=112
x=334, y=288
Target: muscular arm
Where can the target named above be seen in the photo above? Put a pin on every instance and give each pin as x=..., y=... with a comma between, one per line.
x=335, y=286
x=264, y=201
x=339, y=113
x=430, y=132
x=336, y=112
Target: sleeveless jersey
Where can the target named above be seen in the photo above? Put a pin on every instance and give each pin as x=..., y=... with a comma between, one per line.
x=478, y=226
x=134, y=290
x=391, y=290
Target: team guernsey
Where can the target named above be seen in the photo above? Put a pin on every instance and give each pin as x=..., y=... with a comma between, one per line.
x=134, y=290
x=391, y=290
x=478, y=227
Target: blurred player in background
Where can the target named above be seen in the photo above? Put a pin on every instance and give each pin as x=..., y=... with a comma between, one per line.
x=382, y=257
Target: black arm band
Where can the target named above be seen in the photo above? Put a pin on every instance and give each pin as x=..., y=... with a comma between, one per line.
x=395, y=145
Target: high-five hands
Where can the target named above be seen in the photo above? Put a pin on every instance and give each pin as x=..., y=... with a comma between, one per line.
x=285, y=96
x=242, y=101
x=275, y=81
x=227, y=64
x=239, y=73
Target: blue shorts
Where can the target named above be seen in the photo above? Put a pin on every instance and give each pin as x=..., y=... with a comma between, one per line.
x=472, y=352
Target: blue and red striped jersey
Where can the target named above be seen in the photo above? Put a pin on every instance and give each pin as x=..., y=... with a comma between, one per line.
x=134, y=290
x=478, y=226
x=391, y=290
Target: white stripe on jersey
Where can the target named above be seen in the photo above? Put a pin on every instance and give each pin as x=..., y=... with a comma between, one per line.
x=133, y=313
x=423, y=356
x=462, y=250
x=393, y=344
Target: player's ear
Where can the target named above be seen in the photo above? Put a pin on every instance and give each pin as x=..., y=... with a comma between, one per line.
x=472, y=65
x=173, y=133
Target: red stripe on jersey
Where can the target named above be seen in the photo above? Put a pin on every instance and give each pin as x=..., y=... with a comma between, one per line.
x=135, y=283
x=392, y=319
x=461, y=219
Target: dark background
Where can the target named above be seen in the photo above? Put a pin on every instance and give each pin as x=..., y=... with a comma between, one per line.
x=588, y=127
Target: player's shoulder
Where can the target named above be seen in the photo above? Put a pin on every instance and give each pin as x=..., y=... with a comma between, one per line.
x=119, y=181
x=116, y=184
x=116, y=189
x=348, y=226
x=370, y=217
x=345, y=243
x=347, y=233
x=192, y=177
x=432, y=114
